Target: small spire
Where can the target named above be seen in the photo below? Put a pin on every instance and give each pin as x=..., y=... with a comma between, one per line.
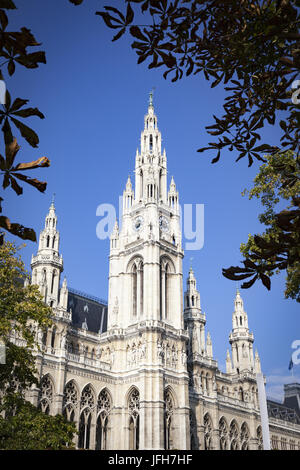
x=191, y=264
x=128, y=184
x=53, y=200
x=151, y=97
x=172, y=185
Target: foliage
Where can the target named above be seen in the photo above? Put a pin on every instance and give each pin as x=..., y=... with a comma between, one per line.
x=22, y=312
x=15, y=49
x=20, y=307
x=251, y=45
x=278, y=248
x=30, y=429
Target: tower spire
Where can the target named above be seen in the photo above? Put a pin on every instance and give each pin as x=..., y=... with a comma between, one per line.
x=151, y=97
x=240, y=338
x=47, y=265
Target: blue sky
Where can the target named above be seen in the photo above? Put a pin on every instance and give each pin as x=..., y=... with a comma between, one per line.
x=94, y=97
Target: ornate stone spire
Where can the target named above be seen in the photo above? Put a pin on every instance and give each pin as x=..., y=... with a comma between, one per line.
x=47, y=265
x=240, y=338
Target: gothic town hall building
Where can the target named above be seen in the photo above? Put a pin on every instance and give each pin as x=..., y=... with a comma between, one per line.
x=138, y=372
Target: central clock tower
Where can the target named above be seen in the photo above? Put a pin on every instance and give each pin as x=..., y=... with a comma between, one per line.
x=145, y=278
x=145, y=303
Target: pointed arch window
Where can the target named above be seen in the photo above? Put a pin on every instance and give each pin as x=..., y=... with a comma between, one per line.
x=53, y=280
x=103, y=408
x=141, y=184
x=234, y=436
x=137, y=273
x=53, y=335
x=259, y=438
x=193, y=431
x=87, y=402
x=46, y=394
x=48, y=241
x=165, y=279
x=70, y=401
x=134, y=419
x=223, y=432
x=245, y=436
x=84, y=429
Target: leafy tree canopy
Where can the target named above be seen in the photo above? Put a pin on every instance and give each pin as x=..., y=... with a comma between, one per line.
x=22, y=312
x=278, y=248
x=252, y=47
x=30, y=429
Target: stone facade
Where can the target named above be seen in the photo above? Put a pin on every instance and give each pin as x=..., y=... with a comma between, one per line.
x=144, y=376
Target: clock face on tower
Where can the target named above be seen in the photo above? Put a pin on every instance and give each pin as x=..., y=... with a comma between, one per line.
x=138, y=223
x=163, y=224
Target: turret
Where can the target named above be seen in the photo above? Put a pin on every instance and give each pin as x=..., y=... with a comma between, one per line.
x=193, y=317
x=47, y=265
x=240, y=338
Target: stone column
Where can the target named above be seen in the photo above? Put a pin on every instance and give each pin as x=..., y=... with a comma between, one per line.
x=215, y=439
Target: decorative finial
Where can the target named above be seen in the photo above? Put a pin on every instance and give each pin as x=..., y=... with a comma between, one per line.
x=151, y=97
x=53, y=199
x=191, y=263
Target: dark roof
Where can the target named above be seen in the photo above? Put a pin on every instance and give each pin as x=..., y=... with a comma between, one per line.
x=87, y=309
x=280, y=411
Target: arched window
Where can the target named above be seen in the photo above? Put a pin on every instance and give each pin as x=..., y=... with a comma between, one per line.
x=165, y=280
x=46, y=394
x=234, y=436
x=141, y=184
x=245, y=436
x=53, y=242
x=259, y=438
x=53, y=337
x=84, y=429
x=103, y=409
x=53, y=280
x=134, y=419
x=223, y=432
x=207, y=432
x=241, y=394
x=193, y=431
x=48, y=241
x=70, y=401
x=151, y=143
x=137, y=274
x=87, y=402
